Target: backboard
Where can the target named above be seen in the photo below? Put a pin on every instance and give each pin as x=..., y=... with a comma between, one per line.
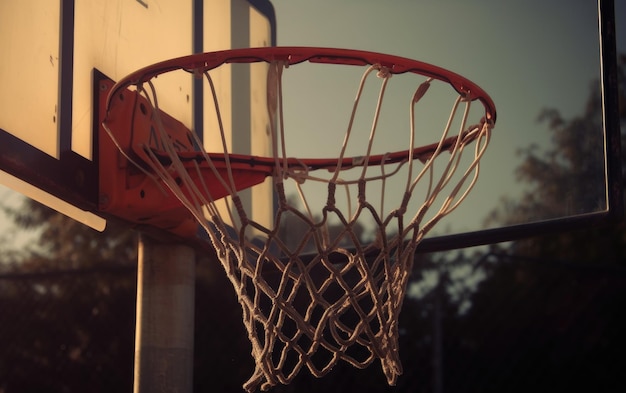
x=537, y=66
x=54, y=50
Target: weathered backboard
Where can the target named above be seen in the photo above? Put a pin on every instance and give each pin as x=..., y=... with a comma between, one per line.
x=540, y=61
x=53, y=49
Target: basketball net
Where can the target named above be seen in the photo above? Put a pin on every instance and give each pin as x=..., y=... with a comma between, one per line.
x=342, y=301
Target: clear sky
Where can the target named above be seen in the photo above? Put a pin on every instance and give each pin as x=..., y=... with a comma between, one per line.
x=528, y=55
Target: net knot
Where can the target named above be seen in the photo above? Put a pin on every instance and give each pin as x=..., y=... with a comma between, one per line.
x=361, y=196
x=280, y=192
x=300, y=173
x=405, y=201
x=330, y=201
x=240, y=209
x=383, y=72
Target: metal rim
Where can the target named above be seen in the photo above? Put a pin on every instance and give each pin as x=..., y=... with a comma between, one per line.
x=199, y=63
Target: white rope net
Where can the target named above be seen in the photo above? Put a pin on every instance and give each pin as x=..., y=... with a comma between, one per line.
x=329, y=296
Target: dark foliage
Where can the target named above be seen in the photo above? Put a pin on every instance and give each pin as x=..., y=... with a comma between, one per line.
x=545, y=316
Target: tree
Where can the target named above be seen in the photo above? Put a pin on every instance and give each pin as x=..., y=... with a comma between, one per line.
x=572, y=165
x=69, y=243
x=67, y=302
x=548, y=315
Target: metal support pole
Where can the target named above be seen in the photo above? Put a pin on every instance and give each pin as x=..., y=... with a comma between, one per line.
x=438, y=333
x=165, y=317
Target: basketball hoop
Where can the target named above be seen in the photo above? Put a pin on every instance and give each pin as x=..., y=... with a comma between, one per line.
x=341, y=303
